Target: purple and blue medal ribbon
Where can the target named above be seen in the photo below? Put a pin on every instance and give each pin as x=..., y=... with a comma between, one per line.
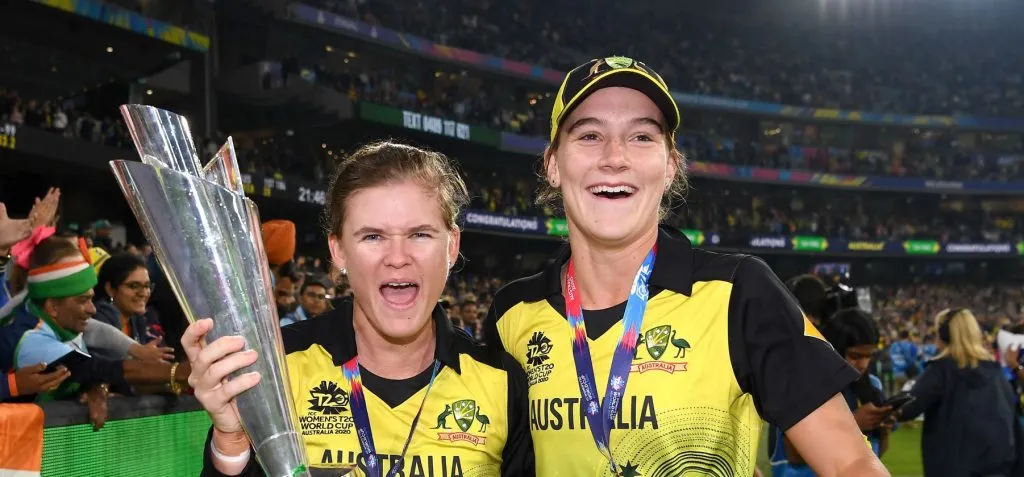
x=357, y=401
x=600, y=416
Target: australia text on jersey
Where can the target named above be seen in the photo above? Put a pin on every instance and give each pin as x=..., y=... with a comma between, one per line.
x=660, y=342
x=636, y=412
x=411, y=466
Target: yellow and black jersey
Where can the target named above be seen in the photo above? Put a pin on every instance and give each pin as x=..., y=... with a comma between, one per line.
x=473, y=424
x=722, y=345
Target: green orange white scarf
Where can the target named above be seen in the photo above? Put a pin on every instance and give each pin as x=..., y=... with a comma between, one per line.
x=61, y=280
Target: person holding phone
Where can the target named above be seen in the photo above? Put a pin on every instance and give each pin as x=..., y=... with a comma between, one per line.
x=854, y=335
x=432, y=401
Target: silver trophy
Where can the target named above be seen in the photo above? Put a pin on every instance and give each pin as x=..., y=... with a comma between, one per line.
x=206, y=236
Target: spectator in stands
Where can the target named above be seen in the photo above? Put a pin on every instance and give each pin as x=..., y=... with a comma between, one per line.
x=122, y=297
x=279, y=242
x=32, y=379
x=60, y=120
x=286, y=290
x=313, y=301
x=469, y=318
x=455, y=312
x=12, y=231
x=43, y=213
x=60, y=292
x=101, y=234
x=810, y=291
x=17, y=116
x=905, y=356
x=970, y=425
x=97, y=336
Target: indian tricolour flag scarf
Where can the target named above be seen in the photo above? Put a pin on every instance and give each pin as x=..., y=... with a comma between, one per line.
x=61, y=280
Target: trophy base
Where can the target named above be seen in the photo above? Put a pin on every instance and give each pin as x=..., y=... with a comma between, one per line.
x=273, y=452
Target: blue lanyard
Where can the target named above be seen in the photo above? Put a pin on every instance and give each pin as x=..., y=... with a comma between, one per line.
x=357, y=400
x=633, y=317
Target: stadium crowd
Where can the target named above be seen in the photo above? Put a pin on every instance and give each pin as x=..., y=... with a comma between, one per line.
x=466, y=97
x=891, y=69
x=62, y=117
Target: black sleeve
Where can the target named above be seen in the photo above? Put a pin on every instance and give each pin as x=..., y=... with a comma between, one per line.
x=927, y=391
x=778, y=356
x=517, y=459
x=97, y=370
x=491, y=336
x=252, y=469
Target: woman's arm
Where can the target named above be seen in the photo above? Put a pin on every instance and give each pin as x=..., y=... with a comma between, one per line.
x=794, y=375
x=832, y=444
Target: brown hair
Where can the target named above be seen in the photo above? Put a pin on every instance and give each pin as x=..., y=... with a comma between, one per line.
x=51, y=250
x=389, y=162
x=548, y=196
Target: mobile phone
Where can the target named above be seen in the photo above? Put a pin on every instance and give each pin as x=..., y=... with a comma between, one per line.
x=898, y=401
x=69, y=360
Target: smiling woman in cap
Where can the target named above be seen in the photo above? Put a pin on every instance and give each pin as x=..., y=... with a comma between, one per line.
x=681, y=352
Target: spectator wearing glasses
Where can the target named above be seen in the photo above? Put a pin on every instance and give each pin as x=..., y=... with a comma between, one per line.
x=312, y=301
x=123, y=296
x=285, y=289
x=472, y=322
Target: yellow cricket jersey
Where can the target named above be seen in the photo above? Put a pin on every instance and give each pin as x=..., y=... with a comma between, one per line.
x=722, y=345
x=473, y=424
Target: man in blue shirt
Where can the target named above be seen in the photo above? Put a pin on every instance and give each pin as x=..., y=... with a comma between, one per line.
x=905, y=356
x=313, y=300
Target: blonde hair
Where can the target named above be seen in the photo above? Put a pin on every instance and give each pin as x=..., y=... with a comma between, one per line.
x=959, y=329
x=387, y=162
x=549, y=196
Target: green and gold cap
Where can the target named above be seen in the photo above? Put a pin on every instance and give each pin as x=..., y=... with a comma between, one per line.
x=607, y=72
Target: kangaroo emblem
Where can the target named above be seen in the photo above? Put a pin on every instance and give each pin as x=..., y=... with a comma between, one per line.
x=484, y=421
x=442, y=419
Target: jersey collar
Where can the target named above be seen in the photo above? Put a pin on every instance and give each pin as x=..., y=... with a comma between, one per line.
x=343, y=347
x=673, y=266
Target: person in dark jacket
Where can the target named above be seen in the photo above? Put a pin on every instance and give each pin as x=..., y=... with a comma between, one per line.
x=970, y=424
x=123, y=294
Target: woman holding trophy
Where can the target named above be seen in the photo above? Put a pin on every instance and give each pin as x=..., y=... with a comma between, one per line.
x=383, y=384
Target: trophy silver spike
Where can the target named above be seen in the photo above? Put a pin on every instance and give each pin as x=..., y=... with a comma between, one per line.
x=206, y=236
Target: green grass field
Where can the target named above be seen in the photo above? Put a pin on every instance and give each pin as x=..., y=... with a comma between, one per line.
x=903, y=458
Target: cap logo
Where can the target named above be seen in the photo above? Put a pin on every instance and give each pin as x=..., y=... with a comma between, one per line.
x=613, y=62
x=616, y=62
